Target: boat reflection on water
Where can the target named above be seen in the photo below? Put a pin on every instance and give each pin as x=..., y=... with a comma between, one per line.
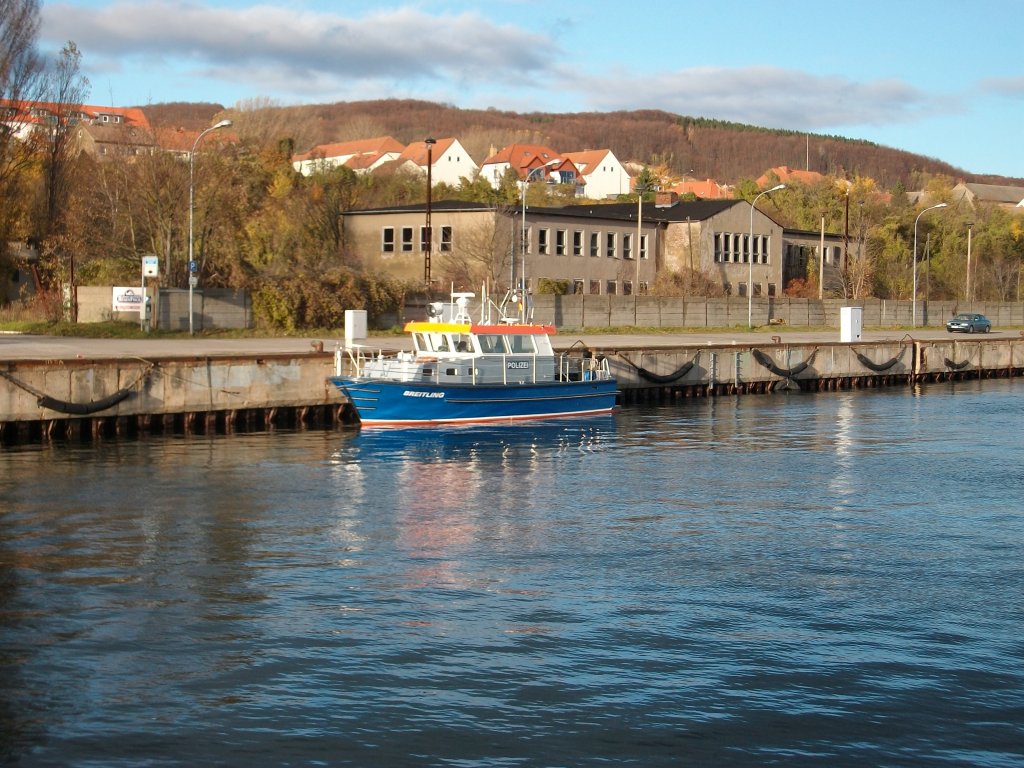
x=455, y=490
x=480, y=442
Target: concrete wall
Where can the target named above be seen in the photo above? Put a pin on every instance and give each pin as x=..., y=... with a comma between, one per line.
x=212, y=308
x=168, y=386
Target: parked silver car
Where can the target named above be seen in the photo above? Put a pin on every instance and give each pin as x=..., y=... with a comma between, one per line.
x=967, y=322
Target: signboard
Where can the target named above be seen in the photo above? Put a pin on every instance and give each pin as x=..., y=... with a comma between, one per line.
x=150, y=266
x=127, y=299
x=193, y=266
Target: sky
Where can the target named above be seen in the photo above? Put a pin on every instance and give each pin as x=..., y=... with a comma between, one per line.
x=943, y=79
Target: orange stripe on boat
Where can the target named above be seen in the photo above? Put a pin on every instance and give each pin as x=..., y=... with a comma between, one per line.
x=421, y=326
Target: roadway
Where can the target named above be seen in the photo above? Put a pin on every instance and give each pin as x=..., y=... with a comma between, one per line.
x=28, y=347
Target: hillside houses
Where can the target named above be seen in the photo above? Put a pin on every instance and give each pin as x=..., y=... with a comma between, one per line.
x=98, y=131
x=995, y=195
x=595, y=174
x=361, y=156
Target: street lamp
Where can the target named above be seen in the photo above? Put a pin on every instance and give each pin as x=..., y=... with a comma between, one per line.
x=913, y=320
x=967, y=289
x=191, y=212
x=750, y=255
x=428, y=246
x=640, y=189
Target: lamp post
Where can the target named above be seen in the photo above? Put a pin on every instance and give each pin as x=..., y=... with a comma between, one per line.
x=428, y=230
x=639, y=235
x=913, y=320
x=750, y=255
x=967, y=289
x=191, y=213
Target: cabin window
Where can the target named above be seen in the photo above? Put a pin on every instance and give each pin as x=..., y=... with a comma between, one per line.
x=492, y=344
x=387, y=244
x=522, y=344
x=436, y=342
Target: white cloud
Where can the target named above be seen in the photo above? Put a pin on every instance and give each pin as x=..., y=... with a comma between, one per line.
x=1004, y=86
x=302, y=48
x=765, y=96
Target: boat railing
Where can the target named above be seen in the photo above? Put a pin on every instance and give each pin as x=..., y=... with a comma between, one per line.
x=358, y=356
x=583, y=368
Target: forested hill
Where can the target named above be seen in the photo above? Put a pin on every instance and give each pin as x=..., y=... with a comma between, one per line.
x=687, y=146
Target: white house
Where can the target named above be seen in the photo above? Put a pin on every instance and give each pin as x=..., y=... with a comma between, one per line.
x=361, y=156
x=450, y=161
x=602, y=174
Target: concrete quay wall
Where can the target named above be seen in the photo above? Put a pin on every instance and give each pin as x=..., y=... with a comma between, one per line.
x=41, y=398
x=89, y=398
x=716, y=369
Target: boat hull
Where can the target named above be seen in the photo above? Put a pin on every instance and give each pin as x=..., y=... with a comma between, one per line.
x=383, y=402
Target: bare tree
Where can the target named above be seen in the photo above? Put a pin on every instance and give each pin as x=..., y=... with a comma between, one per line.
x=66, y=91
x=21, y=72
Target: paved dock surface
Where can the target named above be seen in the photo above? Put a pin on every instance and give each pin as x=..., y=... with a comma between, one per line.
x=26, y=347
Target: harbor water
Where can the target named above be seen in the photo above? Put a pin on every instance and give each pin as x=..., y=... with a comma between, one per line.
x=792, y=579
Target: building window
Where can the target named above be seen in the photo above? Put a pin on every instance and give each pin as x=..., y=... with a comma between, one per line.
x=388, y=241
x=757, y=289
x=643, y=288
x=406, y=239
x=771, y=289
x=543, y=245
x=577, y=286
x=627, y=287
x=595, y=243
x=610, y=288
x=446, y=238
x=424, y=240
x=627, y=246
x=577, y=243
x=643, y=246
x=741, y=289
x=560, y=242
x=609, y=245
x=736, y=251
x=595, y=287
